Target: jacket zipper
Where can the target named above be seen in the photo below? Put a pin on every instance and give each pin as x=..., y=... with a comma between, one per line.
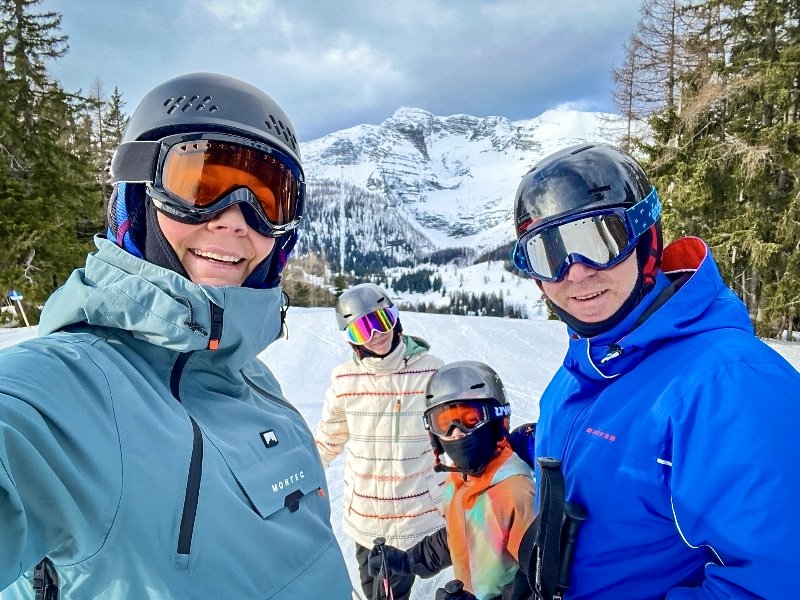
x=397, y=420
x=192, y=494
x=269, y=397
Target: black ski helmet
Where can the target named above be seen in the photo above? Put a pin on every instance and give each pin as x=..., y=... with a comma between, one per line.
x=474, y=381
x=200, y=102
x=578, y=179
x=358, y=301
x=194, y=103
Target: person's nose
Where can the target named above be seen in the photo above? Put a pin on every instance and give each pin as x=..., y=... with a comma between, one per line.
x=577, y=272
x=231, y=218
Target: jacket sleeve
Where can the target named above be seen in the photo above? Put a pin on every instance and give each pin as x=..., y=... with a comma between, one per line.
x=513, y=505
x=60, y=461
x=733, y=478
x=430, y=555
x=332, y=432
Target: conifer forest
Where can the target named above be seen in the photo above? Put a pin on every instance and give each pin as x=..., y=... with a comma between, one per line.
x=709, y=90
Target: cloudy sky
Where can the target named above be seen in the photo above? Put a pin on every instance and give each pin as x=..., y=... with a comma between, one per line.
x=333, y=64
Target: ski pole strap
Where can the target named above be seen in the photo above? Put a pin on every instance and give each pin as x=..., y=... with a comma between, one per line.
x=548, y=537
x=546, y=549
x=45, y=580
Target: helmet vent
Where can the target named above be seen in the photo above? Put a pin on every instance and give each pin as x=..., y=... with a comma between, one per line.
x=184, y=104
x=598, y=190
x=282, y=130
x=477, y=386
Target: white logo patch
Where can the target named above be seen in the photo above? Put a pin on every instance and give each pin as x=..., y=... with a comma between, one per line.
x=269, y=438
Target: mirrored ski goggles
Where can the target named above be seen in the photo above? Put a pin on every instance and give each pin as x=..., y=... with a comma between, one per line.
x=599, y=239
x=362, y=329
x=191, y=178
x=466, y=415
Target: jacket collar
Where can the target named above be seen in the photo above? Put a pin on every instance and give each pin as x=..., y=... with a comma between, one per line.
x=120, y=291
x=689, y=297
x=405, y=352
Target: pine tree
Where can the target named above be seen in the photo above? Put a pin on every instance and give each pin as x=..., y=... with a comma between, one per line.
x=46, y=184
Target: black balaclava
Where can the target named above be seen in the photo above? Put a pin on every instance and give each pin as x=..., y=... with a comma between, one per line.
x=648, y=257
x=157, y=250
x=473, y=452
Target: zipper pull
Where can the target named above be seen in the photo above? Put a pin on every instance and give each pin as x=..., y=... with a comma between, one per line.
x=614, y=351
x=215, y=335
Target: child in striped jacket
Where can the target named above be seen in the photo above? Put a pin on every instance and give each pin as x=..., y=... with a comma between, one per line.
x=372, y=413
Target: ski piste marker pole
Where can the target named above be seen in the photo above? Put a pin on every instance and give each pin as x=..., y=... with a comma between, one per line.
x=384, y=572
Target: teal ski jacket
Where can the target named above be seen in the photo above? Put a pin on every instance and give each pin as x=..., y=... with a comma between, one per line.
x=147, y=465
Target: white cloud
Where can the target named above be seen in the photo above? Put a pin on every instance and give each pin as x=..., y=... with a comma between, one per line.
x=239, y=14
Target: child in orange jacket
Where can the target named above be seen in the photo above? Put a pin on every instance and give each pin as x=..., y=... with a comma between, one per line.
x=489, y=499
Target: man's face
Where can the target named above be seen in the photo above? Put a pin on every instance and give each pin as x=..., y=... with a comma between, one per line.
x=593, y=295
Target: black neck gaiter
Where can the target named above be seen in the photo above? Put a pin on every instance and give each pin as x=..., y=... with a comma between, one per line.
x=473, y=452
x=157, y=249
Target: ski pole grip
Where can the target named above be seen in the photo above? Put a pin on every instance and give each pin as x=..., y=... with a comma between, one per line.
x=574, y=515
x=546, y=462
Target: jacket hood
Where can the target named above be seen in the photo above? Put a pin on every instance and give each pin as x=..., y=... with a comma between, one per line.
x=688, y=298
x=156, y=305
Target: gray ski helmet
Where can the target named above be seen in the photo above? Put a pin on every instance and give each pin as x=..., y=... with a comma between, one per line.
x=468, y=380
x=208, y=102
x=358, y=301
x=464, y=380
x=575, y=180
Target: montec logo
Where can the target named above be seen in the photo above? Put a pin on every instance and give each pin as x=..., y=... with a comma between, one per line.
x=269, y=438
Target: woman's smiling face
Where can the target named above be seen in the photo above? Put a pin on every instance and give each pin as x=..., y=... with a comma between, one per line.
x=222, y=251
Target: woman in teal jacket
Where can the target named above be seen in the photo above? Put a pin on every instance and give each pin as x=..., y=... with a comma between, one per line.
x=144, y=450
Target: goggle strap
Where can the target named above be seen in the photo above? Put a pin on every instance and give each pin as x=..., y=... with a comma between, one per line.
x=135, y=162
x=518, y=258
x=643, y=215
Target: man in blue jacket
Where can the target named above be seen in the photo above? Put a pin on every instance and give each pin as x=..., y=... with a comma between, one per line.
x=675, y=425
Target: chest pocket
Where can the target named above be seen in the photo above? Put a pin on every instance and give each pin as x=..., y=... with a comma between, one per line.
x=280, y=480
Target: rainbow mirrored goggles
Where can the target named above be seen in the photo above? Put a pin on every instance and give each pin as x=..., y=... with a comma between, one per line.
x=362, y=329
x=193, y=177
x=600, y=239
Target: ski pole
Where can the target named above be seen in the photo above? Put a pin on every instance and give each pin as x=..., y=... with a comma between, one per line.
x=387, y=587
x=574, y=515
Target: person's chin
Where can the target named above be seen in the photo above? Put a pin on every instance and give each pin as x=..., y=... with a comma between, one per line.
x=217, y=280
x=594, y=310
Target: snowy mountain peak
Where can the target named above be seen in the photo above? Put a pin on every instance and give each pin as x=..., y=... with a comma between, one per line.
x=450, y=179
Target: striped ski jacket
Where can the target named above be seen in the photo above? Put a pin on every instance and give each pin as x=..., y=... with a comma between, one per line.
x=373, y=413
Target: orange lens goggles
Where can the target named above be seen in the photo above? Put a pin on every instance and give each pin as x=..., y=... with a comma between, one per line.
x=202, y=172
x=465, y=415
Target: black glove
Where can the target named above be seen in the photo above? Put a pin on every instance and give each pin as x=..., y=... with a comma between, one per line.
x=454, y=590
x=396, y=561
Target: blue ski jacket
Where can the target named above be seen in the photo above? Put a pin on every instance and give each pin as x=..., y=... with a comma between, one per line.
x=678, y=432
x=147, y=465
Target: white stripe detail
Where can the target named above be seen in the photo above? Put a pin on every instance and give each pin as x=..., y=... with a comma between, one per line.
x=720, y=562
x=663, y=461
x=589, y=356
